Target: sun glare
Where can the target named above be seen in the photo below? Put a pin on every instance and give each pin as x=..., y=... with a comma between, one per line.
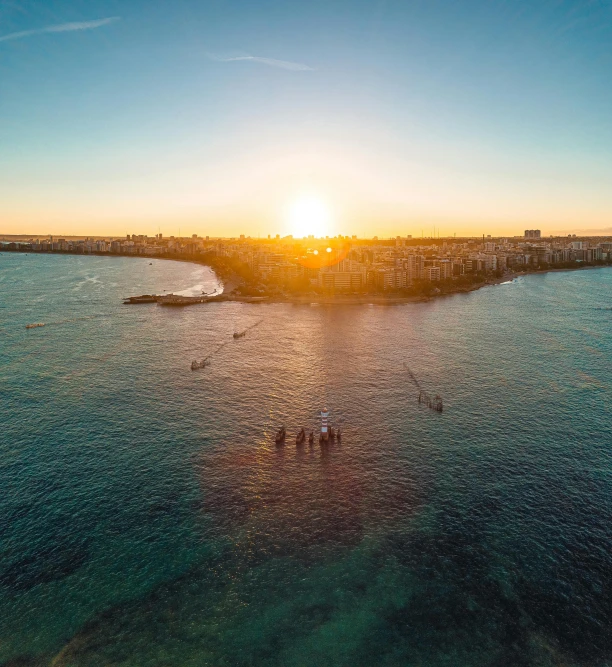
x=309, y=215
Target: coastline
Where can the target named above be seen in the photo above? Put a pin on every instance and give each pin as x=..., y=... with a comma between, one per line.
x=230, y=282
x=382, y=300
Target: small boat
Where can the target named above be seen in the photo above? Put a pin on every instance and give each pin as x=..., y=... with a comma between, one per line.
x=433, y=403
x=150, y=263
x=301, y=437
x=280, y=436
x=240, y=335
x=195, y=365
x=339, y=435
x=332, y=433
x=311, y=438
x=36, y=324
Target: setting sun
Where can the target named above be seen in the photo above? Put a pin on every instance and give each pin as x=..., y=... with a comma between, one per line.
x=309, y=215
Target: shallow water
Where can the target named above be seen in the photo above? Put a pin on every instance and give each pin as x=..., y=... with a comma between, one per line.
x=147, y=518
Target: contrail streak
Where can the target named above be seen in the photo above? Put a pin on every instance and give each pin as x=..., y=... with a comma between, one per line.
x=64, y=27
x=272, y=62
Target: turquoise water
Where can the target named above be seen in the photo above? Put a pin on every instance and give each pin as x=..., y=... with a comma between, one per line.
x=147, y=518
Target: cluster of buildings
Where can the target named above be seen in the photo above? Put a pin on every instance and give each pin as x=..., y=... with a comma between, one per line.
x=343, y=264
x=130, y=245
x=348, y=264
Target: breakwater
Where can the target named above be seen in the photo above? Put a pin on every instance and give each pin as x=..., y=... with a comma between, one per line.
x=180, y=300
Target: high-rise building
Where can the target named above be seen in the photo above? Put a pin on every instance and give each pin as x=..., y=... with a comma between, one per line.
x=432, y=273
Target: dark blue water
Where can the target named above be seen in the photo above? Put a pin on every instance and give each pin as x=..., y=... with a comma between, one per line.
x=147, y=518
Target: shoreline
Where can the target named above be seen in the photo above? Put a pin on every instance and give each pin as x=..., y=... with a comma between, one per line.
x=381, y=300
x=229, y=283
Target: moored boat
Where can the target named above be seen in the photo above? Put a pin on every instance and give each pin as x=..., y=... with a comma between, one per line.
x=280, y=436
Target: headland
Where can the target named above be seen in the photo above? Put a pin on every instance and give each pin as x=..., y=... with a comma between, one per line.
x=343, y=271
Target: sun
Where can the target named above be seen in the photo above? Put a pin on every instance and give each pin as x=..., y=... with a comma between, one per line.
x=309, y=215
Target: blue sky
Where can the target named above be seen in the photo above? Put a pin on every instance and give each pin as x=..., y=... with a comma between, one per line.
x=471, y=116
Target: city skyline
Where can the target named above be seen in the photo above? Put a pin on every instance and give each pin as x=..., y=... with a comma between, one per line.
x=386, y=118
x=427, y=235
x=341, y=267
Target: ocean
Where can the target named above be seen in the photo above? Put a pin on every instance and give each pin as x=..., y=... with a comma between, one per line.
x=147, y=517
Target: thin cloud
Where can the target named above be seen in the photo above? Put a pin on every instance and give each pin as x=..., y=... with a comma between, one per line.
x=64, y=27
x=272, y=62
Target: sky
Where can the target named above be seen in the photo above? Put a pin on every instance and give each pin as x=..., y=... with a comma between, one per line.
x=377, y=117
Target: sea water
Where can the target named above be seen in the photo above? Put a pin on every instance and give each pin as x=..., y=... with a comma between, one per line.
x=148, y=518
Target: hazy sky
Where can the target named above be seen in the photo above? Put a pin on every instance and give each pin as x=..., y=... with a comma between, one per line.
x=215, y=115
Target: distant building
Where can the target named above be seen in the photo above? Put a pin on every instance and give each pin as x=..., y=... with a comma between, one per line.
x=446, y=269
x=342, y=280
x=432, y=273
x=533, y=233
